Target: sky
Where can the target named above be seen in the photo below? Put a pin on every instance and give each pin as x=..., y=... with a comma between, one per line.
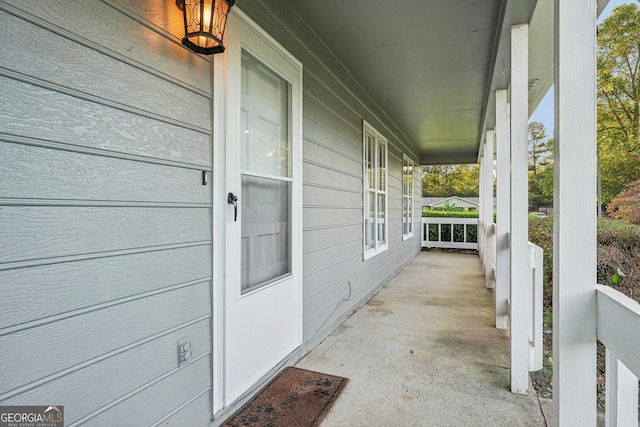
x=544, y=112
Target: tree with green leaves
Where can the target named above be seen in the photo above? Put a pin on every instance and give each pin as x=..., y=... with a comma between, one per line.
x=619, y=99
x=540, y=150
x=450, y=180
x=540, y=166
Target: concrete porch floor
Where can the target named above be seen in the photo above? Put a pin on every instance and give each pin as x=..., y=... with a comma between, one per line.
x=424, y=351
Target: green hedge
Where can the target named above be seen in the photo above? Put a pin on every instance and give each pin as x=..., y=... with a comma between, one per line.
x=623, y=234
x=449, y=214
x=541, y=234
x=618, y=248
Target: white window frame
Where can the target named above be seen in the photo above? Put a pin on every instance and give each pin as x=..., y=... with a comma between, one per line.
x=408, y=169
x=379, y=245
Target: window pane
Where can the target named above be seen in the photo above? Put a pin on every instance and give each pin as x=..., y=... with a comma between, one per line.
x=264, y=119
x=381, y=219
x=369, y=222
x=405, y=168
x=405, y=226
x=407, y=216
x=370, y=153
x=407, y=178
x=266, y=231
x=382, y=166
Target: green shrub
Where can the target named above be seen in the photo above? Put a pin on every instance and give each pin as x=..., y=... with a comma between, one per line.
x=433, y=232
x=449, y=214
x=618, y=249
x=623, y=234
x=472, y=233
x=618, y=246
x=619, y=256
x=541, y=234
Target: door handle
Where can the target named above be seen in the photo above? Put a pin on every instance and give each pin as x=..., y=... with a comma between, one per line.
x=232, y=199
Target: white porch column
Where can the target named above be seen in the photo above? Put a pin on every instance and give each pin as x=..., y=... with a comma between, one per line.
x=520, y=294
x=574, y=246
x=503, y=215
x=487, y=205
x=481, y=221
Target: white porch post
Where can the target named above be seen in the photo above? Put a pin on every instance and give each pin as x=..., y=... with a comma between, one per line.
x=503, y=218
x=574, y=246
x=487, y=205
x=520, y=293
x=481, y=221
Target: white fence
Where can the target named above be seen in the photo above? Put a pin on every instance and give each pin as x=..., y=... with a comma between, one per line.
x=535, y=263
x=450, y=233
x=618, y=326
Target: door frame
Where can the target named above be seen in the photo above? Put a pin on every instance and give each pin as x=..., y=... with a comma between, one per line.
x=220, y=207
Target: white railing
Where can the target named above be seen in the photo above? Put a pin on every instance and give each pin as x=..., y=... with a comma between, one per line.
x=618, y=328
x=489, y=255
x=535, y=264
x=450, y=233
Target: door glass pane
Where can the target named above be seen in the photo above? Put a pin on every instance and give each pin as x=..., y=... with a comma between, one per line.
x=264, y=119
x=266, y=231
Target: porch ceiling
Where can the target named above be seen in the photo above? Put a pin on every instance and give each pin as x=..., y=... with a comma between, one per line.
x=428, y=64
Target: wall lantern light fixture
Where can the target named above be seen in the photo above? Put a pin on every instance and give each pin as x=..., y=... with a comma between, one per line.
x=204, y=24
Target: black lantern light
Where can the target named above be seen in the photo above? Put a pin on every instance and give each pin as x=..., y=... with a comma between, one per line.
x=204, y=24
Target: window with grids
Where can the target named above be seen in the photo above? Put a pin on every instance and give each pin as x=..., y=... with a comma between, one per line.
x=407, y=197
x=375, y=192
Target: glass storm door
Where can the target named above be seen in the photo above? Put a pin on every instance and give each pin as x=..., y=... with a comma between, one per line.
x=263, y=280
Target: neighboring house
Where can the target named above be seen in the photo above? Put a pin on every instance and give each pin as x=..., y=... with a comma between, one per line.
x=546, y=209
x=176, y=228
x=455, y=202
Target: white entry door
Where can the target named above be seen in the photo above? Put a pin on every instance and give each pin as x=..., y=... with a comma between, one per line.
x=263, y=214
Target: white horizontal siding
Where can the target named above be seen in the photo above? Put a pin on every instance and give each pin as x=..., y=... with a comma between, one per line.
x=105, y=262
x=333, y=212
x=34, y=51
x=77, y=230
x=153, y=46
x=36, y=293
x=128, y=371
x=88, y=337
x=44, y=173
x=82, y=125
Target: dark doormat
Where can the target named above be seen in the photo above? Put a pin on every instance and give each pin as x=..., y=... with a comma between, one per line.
x=295, y=398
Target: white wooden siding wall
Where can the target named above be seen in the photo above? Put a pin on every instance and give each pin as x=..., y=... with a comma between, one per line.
x=105, y=260
x=334, y=107
x=332, y=223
